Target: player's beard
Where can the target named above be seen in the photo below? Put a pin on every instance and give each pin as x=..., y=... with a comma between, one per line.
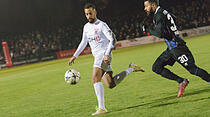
x=148, y=13
x=91, y=20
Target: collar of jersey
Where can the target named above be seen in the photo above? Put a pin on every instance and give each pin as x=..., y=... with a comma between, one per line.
x=157, y=9
x=95, y=21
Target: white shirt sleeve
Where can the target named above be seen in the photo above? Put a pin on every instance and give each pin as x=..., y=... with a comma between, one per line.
x=82, y=44
x=109, y=35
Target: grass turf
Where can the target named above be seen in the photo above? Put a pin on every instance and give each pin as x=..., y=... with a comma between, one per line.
x=39, y=90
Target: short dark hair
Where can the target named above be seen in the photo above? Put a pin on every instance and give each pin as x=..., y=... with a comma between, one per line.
x=153, y=1
x=89, y=5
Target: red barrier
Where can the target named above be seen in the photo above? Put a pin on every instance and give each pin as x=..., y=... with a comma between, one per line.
x=6, y=54
x=118, y=45
x=69, y=53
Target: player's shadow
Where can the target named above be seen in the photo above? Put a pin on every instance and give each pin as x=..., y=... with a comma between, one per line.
x=164, y=104
x=150, y=103
x=197, y=92
x=176, y=102
x=169, y=98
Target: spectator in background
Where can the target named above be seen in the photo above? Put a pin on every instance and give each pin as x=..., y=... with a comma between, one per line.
x=40, y=45
x=1, y=59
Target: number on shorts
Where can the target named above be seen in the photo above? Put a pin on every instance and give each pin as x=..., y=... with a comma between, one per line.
x=183, y=59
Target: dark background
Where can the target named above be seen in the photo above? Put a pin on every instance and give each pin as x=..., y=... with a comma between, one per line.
x=37, y=29
x=27, y=15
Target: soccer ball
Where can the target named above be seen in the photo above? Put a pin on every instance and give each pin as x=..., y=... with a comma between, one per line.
x=72, y=76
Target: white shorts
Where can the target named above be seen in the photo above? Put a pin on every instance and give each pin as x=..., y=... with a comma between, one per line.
x=99, y=62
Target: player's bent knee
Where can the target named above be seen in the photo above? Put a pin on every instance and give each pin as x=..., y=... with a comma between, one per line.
x=111, y=85
x=156, y=69
x=153, y=69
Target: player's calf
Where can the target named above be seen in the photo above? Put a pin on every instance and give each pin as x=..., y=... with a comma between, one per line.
x=199, y=72
x=111, y=82
x=108, y=80
x=204, y=75
x=111, y=85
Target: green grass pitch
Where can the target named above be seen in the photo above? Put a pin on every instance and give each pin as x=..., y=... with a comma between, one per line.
x=39, y=90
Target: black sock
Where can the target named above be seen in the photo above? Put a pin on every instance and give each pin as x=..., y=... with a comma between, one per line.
x=119, y=77
x=170, y=75
x=203, y=74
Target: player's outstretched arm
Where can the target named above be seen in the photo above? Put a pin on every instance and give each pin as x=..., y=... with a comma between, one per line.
x=80, y=48
x=71, y=60
x=156, y=31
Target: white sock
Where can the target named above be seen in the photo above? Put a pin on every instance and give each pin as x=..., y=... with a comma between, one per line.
x=129, y=70
x=99, y=90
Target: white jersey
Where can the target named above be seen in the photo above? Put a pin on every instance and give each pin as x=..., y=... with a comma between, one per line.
x=99, y=36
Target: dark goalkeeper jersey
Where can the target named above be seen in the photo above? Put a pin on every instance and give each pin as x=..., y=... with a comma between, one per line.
x=164, y=27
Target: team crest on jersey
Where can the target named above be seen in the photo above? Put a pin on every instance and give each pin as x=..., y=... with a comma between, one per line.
x=96, y=31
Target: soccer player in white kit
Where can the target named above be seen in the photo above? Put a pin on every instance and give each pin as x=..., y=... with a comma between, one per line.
x=101, y=40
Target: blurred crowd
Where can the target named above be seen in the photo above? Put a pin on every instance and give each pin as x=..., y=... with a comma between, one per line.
x=40, y=43
x=126, y=26
x=192, y=14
